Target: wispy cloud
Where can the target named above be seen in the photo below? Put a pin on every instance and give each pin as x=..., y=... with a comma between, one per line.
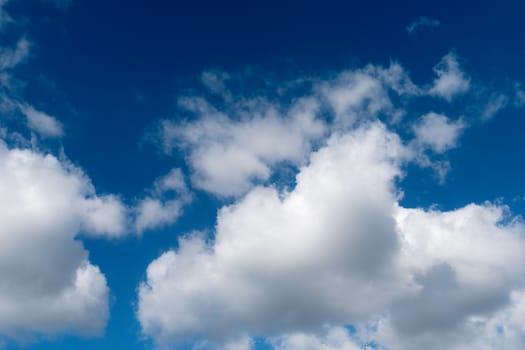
x=422, y=22
x=165, y=203
x=495, y=103
x=42, y=123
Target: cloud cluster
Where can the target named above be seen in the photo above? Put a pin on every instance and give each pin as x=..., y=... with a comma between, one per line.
x=48, y=285
x=295, y=266
x=338, y=249
x=234, y=144
x=287, y=261
x=227, y=154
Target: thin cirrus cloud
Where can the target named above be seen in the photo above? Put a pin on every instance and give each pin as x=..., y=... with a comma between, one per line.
x=297, y=266
x=42, y=123
x=10, y=57
x=422, y=22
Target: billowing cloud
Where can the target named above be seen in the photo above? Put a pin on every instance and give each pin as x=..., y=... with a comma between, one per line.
x=450, y=80
x=287, y=261
x=227, y=153
x=364, y=94
x=336, y=250
x=232, y=146
x=422, y=22
x=48, y=285
x=332, y=338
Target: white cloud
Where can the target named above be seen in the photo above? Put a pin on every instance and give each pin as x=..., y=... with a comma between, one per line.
x=155, y=211
x=422, y=22
x=450, y=80
x=354, y=95
x=227, y=153
x=48, y=285
x=467, y=261
x=238, y=144
x=282, y=262
x=333, y=338
x=42, y=123
x=437, y=132
x=338, y=250
x=363, y=94
x=4, y=16
x=500, y=330
x=494, y=105
x=239, y=343
x=10, y=57
x=519, y=95
x=215, y=82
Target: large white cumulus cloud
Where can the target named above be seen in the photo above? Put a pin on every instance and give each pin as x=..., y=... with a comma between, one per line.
x=339, y=249
x=282, y=261
x=47, y=284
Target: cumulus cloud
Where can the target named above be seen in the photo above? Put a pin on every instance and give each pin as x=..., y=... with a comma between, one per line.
x=336, y=250
x=296, y=266
x=228, y=152
x=450, y=80
x=237, y=144
x=333, y=338
x=437, y=132
x=363, y=94
x=48, y=285
x=287, y=261
x=421, y=22
x=157, y=210
x=42, y=123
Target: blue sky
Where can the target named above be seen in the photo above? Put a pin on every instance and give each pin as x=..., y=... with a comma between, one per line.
x=288, y=175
